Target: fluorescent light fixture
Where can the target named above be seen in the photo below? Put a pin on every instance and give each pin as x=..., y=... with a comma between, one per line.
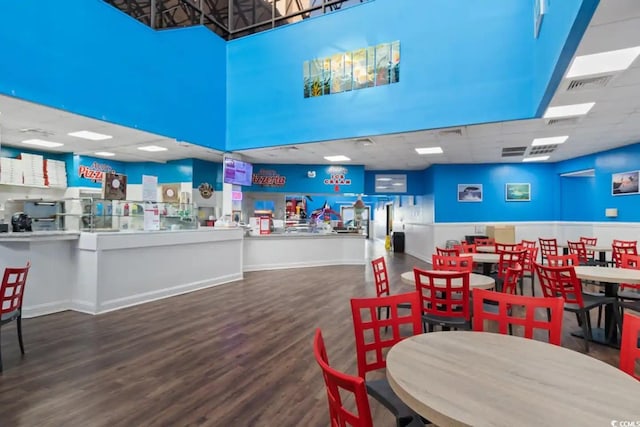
x=535, y=159
x=92, y=136
x=104, y=153
x=568, y=110
x=553, y=140
x=604, y=62
x=337, y=158
x=152, y=148
x=42, y=143
x=429, y=150
x=383, y=179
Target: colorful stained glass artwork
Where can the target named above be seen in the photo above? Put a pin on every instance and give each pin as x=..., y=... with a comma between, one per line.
x=358, y=69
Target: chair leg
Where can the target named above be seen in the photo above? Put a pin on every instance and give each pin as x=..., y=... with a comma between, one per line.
x=19, y=327
x=0, y=350
x=599, y=316
x=586, y=332
x=579, y=319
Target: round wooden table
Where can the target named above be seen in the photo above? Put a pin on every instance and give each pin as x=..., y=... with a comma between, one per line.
x=479, y=281
x=484, y=258
x=486, y=379
x=488, y=249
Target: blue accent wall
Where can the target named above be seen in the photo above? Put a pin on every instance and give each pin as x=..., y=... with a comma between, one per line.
x=462, y=62
x=494, y=207
x=208, y=172
x=87, y=57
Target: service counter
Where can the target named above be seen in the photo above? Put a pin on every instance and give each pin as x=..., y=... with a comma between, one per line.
x=294, y=250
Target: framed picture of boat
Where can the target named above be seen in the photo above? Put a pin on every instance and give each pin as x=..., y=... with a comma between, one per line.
x=517, y=192
x=469, y=192
x=625, y=183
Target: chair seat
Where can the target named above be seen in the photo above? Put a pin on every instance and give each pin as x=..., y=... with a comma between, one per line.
x=629, y=295
x=383, y=393
x=631, y=305
x=590, y=301
x=8, y=317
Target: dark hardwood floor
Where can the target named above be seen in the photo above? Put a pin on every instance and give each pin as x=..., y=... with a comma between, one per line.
x=234, y=355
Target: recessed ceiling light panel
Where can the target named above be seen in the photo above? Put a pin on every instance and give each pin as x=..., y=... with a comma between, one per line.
x=104, y=153
x=535, y=159
x=553, y=140
x=152, y=148
x=338, y=158
x=604, y=62
x=42, y=143
x=569, y=110
x=92, y=136
x=429, y=150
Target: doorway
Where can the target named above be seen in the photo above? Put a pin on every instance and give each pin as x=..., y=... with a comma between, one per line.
x=389, y=212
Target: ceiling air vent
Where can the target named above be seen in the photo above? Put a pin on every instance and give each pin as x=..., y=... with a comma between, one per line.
x=589, y=83
x=564, y=121
x=513, y=151
x=542, y=149
x=364, y=141
x=451, y=132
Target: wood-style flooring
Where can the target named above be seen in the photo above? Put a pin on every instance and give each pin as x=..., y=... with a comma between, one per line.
x=234, y=355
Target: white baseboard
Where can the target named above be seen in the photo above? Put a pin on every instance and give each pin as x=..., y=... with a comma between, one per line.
x=44, y=309
x=305, y=264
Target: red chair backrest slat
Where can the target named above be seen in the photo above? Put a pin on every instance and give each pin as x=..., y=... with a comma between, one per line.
x=512, y=259
x=548, y=247
x=12, y=289
x=589, y=241
x=444, y=293
x=530, y=257
x=447, y=252
x=367, y=327
x=452, y=263
x=528, y=243
x=507, y=247
x=562, y=260
x=623, y=247
x=629, y=350
x=334, y=382
x=380, y=276
x=560, y=281
x=505, y=316
x=632, y=262
x=580, y=250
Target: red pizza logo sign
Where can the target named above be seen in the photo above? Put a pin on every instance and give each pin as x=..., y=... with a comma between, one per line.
x=268, y=178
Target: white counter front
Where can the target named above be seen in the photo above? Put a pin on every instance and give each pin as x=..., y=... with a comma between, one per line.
x=120, y=269
x=294, y=250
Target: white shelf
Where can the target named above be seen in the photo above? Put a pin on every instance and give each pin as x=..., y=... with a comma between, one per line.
x=33, y=186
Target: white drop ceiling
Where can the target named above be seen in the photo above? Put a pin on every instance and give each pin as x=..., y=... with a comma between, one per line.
x=613, y=122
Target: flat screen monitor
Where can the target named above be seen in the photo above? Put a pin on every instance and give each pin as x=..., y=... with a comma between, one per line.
x=237, y=172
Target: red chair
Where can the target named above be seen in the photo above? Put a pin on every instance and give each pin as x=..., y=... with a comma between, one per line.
x=452, y=263
x=580, y=250
x=562, y=281
x=444, y=297
x=629, y=350
x=335, y=382
x=514, y=259
x=481, y=241
x=528, y=243
x=629, y=291
x=11, y=293
x=371, y=346
x=465, y=248
x=381, y=278
x=622, y=247
x=548, y=247
x=501, y=310
x=447, y=252
x=528, y=269
x=590, y=241
x=507, y=247
x=562, y=260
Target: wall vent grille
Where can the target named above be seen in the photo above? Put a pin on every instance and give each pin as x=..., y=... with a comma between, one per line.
x=563, y=121
x=513, y=151
x=589, y=83
x=451, y=132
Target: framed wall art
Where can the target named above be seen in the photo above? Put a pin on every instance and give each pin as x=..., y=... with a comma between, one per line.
x=625, y=183
x=517, y=192
x=469, y=192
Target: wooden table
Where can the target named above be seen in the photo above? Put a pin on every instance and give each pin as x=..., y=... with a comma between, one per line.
x=486, y=249
x=485, y=379
x=486, y=259
x=610, y=278
x=479, y=281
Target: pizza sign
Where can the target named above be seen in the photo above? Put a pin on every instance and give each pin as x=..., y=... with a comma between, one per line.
x=95, y=172
x=269, y=178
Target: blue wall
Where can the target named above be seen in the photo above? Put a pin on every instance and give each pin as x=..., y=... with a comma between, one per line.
x=493, y=177
x=207, y=172
x=585, y=199
x=87, y=57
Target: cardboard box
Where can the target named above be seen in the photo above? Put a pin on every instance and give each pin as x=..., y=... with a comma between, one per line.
x=502, y=233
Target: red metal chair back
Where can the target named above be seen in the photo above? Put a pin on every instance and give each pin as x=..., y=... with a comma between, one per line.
x=335, y=381
x=447, y=252
x=12, y=290
x=528, y=243
x=579, y=249
x=511, y=277
x=514, y=259
x=529, y=258
x=505, y=315
x=452, y=263
x=548, y=247
x=444, y=293
x=589, y=241
x=560, y=281
x=371, y=346
x=380, y=276
x=562, y=260
x=632, y=262
x=507, y=247
x=482, y=241
x=629, y=349
x=465, y=248
x=623, y=247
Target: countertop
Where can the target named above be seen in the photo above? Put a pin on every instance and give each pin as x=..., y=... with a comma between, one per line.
x=39, y=236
